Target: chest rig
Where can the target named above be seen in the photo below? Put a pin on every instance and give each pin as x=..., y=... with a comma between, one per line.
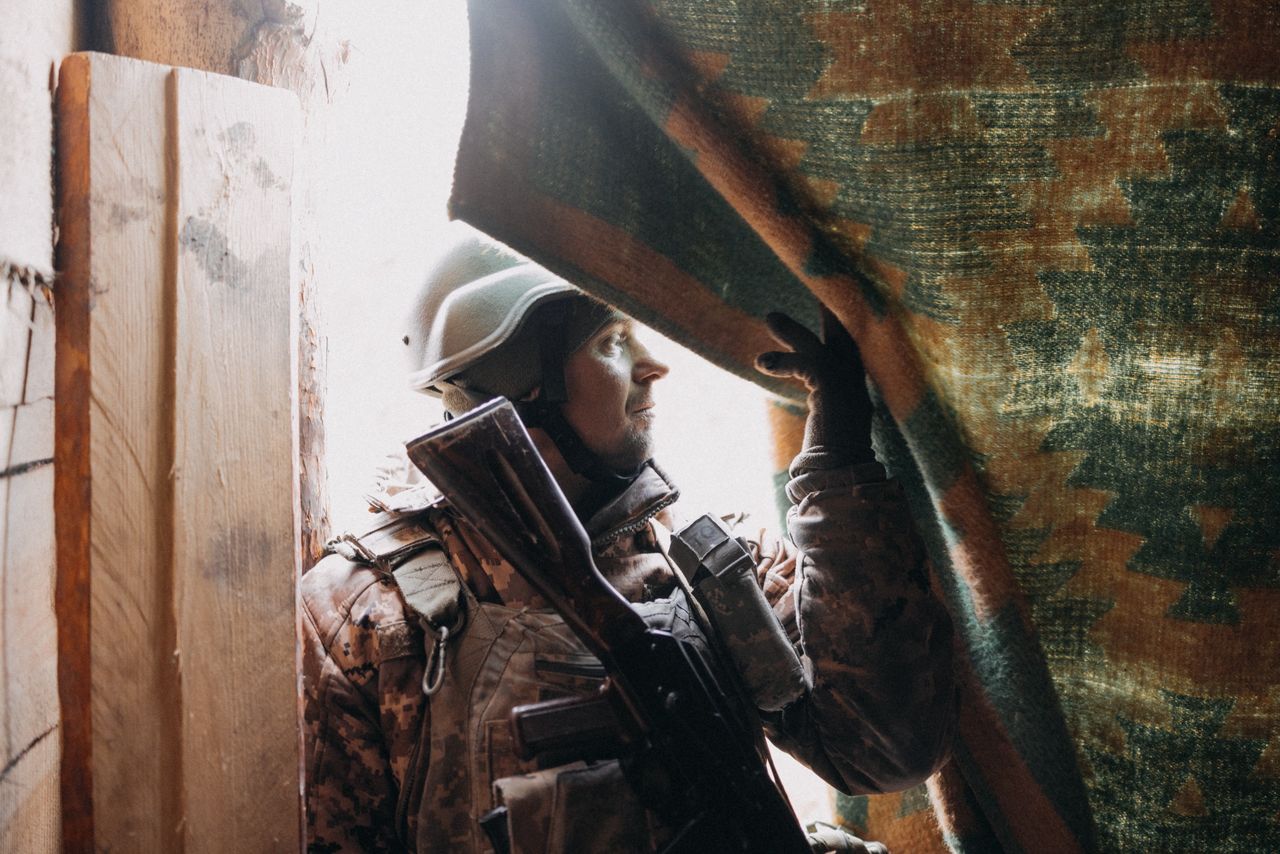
x=483, y=658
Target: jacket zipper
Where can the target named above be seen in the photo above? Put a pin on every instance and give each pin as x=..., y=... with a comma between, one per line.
x=410, y=780
x=632, y=527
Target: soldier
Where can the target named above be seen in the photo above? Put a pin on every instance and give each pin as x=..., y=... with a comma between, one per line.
x=419, y=638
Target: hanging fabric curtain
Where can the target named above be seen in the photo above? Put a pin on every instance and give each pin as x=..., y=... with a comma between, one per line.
x=1052, y=229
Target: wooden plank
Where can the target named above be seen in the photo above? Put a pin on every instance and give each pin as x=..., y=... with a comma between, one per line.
x=293, y=47
x=29, y=816
x=15, y=340
x=174, y=361
x=30, y=636
x=34, y=35
x=134, y=680
x=135, y=719
x=235, y=542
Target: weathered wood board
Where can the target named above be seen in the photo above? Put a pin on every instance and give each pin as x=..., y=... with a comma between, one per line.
x=28, y=641
x=33, y=35
x=292, y=46
x=234, y=521
x=178, y=191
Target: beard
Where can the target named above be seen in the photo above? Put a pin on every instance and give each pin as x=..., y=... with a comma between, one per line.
x=632, y=449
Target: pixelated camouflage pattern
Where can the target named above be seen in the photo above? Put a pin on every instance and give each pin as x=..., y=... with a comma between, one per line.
x=536, y=657
x=752, y=636
x=500, y=663
x=364, y=711
x=878, y=642
x=387, y=773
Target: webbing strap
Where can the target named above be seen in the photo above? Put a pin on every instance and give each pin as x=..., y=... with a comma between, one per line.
x=431, y=589
x=389, y=539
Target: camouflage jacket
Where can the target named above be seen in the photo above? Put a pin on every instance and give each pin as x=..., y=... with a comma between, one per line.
x=850, y=587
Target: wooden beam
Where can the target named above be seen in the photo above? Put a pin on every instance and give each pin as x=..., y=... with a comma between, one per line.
x=117, y=220
x=180, y=455
x=286, y=45
x=235, y=523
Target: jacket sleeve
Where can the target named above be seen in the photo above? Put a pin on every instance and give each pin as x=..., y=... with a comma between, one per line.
x=350, y=788
x=853, y=593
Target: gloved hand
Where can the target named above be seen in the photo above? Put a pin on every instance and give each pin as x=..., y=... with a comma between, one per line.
x=823, y=838
x=838, y=430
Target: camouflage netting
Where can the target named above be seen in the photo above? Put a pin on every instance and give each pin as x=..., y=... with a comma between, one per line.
x=1053, y=229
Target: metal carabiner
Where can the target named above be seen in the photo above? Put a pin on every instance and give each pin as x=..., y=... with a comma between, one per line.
x=431, y=683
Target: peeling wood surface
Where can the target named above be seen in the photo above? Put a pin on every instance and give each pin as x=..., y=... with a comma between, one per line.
x=187, y=303
x=218, y=37
x=34, y=34
x=29, y=742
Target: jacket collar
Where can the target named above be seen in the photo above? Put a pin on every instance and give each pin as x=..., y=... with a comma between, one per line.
x=632, y=508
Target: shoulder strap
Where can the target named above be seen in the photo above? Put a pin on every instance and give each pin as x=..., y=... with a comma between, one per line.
x=389, y=539
x=662, y=534
x=407, y=546
x=431, y=589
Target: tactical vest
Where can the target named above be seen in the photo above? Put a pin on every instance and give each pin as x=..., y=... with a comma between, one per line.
x=483, y=659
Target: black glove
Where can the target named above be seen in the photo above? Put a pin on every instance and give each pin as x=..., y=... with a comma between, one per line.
x=824, y=837
x=838, y=431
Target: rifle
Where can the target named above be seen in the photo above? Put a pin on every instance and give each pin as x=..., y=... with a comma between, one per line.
x=688, y=751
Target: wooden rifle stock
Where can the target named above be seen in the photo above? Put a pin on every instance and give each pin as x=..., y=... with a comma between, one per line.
x=692, y=753
x=487, y=465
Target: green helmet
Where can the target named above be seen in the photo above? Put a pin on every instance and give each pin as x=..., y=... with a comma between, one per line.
x=489, y=322
x=474, y=326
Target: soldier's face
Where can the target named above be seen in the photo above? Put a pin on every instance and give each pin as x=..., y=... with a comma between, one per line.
x=609, y=381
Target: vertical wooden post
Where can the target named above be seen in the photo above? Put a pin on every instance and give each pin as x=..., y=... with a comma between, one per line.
x=176, y=455
x=234, y=520
x=285, y=44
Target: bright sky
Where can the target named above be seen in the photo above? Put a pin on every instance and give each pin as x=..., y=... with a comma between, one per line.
x=391, y=131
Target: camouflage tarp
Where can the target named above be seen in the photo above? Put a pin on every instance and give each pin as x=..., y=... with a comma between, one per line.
x=1052, y=227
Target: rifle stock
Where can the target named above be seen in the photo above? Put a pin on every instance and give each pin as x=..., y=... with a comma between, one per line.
x=691, y=753
x=488, y=466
